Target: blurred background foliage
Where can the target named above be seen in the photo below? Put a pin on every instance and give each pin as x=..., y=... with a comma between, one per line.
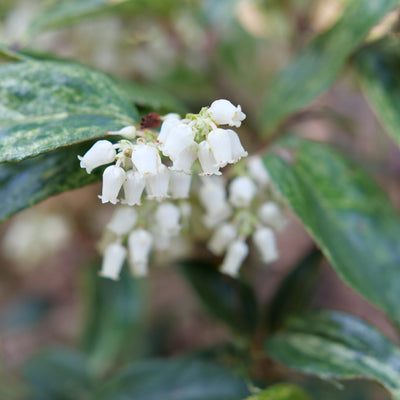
x=324, y=70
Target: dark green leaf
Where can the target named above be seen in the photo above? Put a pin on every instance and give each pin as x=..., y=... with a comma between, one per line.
x=153, y=98
x=46, y=105
x=30, y=181
x=336, y=345
x=378, y=70
x=114, y=318
x=58, y=374
x=317, y=66
x=282, y=391
x=294, y=292
x=229, y=300
x=173, y=380
x=347, y=214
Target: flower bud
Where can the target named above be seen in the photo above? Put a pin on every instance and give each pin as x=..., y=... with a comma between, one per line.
x=257, y=171
x=224, y=112
x=270, y=214
x=113, y=260
x=102, y=152
x=113, y=178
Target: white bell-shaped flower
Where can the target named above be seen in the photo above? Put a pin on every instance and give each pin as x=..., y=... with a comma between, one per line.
x=170, y=121
x=257, y=171
x=212, y=193
x=133, y=188
x=179, y=185
x=157, y=185
x=128, y=132
x=140, y=243
x=167, y=219
x=270, y=214
x=224, y=112
x=237, y=149
x=113, y=260
x=234, y=257
x=184, y=161
x=221, y=238
x=242, y=191
x=123, y=220
x=113, y=179
x=265, y=242
x=179, y=138
x=213, y=218
x=221, y=147
x=101, y=153
x=207, y=161
x=146, y=159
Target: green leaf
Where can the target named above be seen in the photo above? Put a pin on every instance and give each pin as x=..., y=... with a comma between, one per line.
x=58, y=374
x=155, y=99
x=229, y=300
x=315, y=68
x=114, y=318
x=281, y=391
x=294, y=293
x=30, y=181
x=347, y=214
x=47, y=105
x=336, y=345
x=377, y=68
x=172, y=380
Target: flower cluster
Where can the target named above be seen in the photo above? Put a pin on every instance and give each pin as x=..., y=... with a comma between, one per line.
x=139, y=157
x=160, y=164
x=247, y=209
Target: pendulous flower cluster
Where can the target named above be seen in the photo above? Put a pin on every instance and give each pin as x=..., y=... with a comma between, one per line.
x=159, y=164
x=247, y=208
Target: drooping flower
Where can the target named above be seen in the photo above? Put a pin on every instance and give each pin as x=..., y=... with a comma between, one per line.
x=237, y=149
x=241, y=191
x=113, y=260
x=224, y=112
x=113, y=179
x=170, y=121
x=270, y=214
x=179, y=138
x=123, y=220
x=146, y=159
x=220, y=145
x=265, y=241
x=257, y=171
x=101, y=153
x=157, y=185
x=221, y=238
x=207, y=161
x=184, y=161
x=133, y=188
x=234, y=257
x=167, y=219
x=179, y=185
x=140, y=243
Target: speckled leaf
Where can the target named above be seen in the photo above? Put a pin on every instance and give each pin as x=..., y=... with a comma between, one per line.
x=281, y=391
x=46, y=105
x=229, y=300
x=347, y=214
x=335, y=345
x=314, y=69
x=30, y=181
x=172, y=380
x=378, y=69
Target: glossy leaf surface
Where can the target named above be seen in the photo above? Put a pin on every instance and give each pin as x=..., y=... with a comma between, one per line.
x=337, y=345
x=282, y=391
x=348, y=215
x=46, y=105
